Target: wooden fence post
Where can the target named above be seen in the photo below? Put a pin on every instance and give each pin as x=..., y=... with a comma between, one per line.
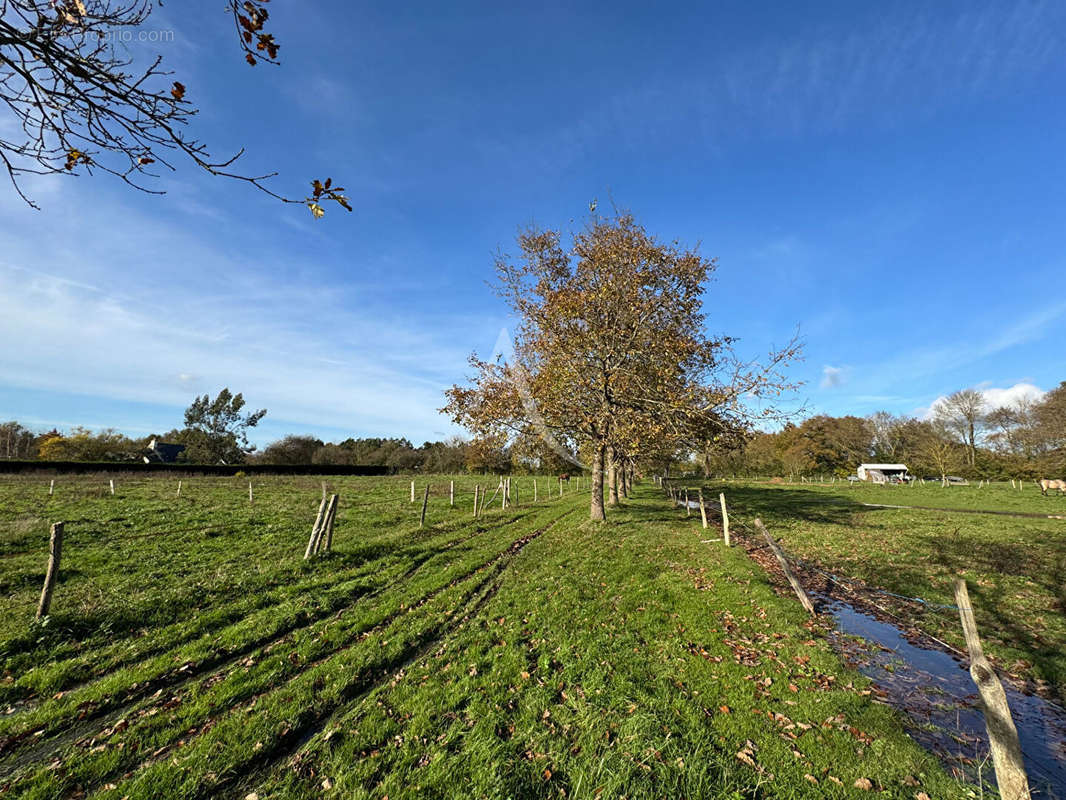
x=250, y=498
x=477, y=488
x=802, y=595
x=111, y=482
x=534, y=490
x=51, y=487
x=425, y=502
x=319, y=520
x=412, y=491
x=703, y=511
x=1002, y=735
x=725, y=518
x=451, y=494
x=179, y=490
x=688, y=511
x=55, y=550
x=331, y=517
x=485, y=504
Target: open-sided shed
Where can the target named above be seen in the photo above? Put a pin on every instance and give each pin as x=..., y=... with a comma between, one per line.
x=878, y=473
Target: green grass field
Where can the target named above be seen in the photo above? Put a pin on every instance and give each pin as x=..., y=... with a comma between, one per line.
x=1015, y=566
x=192, y=653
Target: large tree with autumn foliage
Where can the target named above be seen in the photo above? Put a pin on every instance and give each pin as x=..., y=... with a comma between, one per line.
x=611, y=351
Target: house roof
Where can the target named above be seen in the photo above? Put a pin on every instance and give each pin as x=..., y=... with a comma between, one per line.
x=883, y=466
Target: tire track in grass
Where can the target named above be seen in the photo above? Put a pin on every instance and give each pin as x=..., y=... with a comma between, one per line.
x=368, y=676
x=179, y=678
x=55, y=745
x=190, y=671
x=359, y=690
x=281, y=591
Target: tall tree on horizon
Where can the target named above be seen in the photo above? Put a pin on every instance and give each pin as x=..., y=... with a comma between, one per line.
x=611, y=340
x=963, y=412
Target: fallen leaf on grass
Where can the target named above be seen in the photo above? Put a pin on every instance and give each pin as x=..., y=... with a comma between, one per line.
x=745, y=756
x=863, y=783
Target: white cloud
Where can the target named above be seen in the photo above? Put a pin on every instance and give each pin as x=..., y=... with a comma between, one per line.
x=156, y=312
x=994, y=397
x=832, y=377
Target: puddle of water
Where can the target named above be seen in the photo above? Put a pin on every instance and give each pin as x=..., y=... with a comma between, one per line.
x=939, y=698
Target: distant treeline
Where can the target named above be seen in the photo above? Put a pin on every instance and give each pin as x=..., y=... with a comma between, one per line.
x=66, y=467
x=21, y=448
x=962, y=436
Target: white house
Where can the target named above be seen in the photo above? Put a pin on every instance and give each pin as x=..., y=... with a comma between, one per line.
x=879, y=473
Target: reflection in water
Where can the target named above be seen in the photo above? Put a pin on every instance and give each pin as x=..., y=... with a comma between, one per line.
x=940, y=701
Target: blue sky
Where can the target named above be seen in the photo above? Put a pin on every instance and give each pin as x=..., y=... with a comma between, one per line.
x=887, y=177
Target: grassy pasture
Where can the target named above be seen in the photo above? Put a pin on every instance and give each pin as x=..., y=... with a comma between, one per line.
x=193, y=653
x=1015, y=566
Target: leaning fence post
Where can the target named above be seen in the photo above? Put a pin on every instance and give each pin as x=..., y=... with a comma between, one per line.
x=111, y=482
x=725, y=518
x=1002, y=735
x=55, y=549
x=477, y=489
x=179, y=490
x=802, y=595
x=425, y=502
x=703, y=510
x=51, y=487
x=331, y=518
x=327, y=522
x=314, y=531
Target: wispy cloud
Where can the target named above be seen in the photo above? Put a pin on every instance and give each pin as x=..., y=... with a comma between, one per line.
x=903, y=65
x=156, y=312
x=833, y=377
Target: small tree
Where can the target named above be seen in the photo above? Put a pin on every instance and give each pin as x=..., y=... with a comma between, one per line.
x=936, y=446
x=16, y=441
x=1050, y=416
x=963, y=412
x=216, y=431
x=293, y=449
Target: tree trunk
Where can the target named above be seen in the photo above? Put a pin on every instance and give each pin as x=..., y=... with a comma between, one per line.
x=612, y=476
x=597, y=512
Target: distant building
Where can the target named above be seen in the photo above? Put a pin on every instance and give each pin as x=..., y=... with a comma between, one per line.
x=880, y=473
x=163, y=452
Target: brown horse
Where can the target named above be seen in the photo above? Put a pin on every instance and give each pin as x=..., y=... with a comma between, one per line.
x=1046, y=484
